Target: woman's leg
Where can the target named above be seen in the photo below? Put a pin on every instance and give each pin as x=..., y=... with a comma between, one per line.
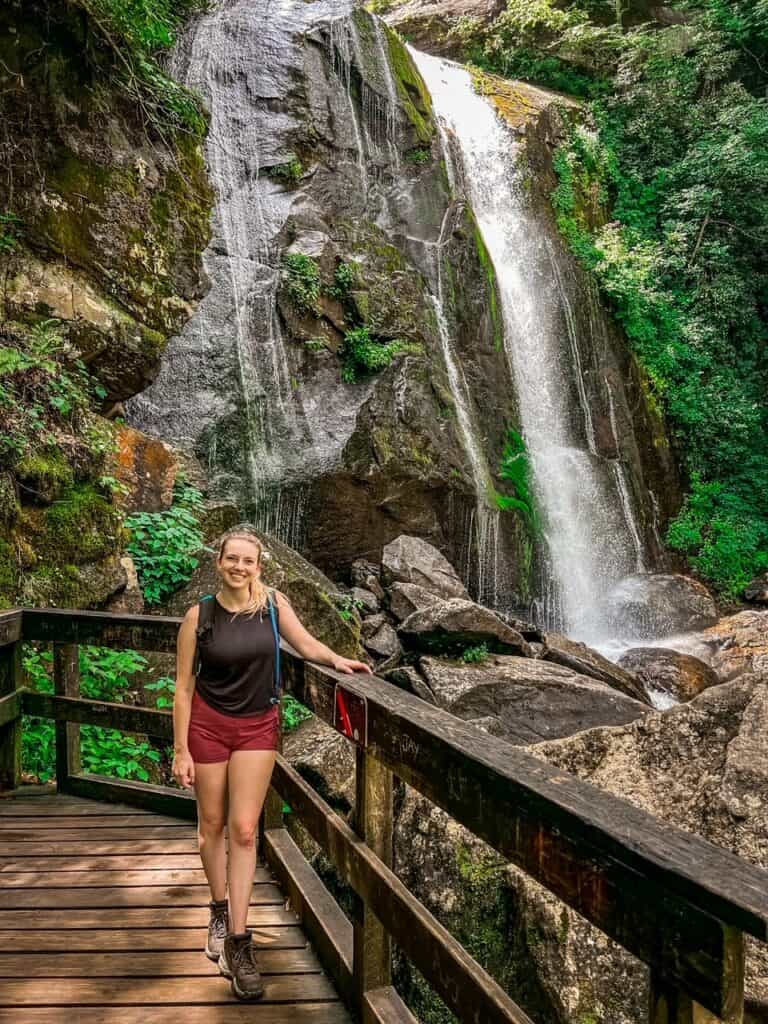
x=211, y=793
x=249, y=775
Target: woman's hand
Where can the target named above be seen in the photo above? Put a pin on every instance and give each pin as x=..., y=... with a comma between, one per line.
x=184, y=769
x=349, y=666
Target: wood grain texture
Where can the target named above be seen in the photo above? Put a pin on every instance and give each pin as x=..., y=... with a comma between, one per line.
x=119, y=898
x=221, y=1013
x=384, y=1006
x=132, y=964
x=110, y=879
x=135, y=917
x=173, y=939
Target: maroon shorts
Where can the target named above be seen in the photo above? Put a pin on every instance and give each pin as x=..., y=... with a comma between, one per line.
x=214, y=736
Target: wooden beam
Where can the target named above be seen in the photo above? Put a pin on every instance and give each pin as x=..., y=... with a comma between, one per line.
x=10, y=681
x=655, y=889
x=384, y=1006
x=150, y=721
x=10, y=707
x=66, y=683
x=10, y=626
x=459, y=980
x=160, y=799
x=373, y=823
x=125, y=632
x=322, y=919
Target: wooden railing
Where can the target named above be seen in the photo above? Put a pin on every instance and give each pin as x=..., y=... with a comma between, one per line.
x=675, y=901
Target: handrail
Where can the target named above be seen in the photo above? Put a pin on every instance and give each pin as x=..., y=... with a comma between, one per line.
x=673, y=899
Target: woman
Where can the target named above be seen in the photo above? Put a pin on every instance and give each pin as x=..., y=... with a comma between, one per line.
x=226, y=727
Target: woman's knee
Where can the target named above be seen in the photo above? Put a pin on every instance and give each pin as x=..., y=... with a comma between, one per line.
x=243, y=832
x=210, y=825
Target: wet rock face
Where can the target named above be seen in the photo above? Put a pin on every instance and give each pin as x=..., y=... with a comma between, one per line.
x=454, y=624
x=431, y=25
x=736, y=644
x=580, y=658
x=680, y=677
x=648, y=605
x=410, y=560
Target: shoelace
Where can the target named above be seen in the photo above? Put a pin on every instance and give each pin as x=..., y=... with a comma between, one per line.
x=245, y=958
x=219, y=925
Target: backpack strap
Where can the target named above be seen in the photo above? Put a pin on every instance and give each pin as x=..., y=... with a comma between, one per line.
x=206, y=609
x=274, y=618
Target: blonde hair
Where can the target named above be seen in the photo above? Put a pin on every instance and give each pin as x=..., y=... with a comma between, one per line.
x=258, y=590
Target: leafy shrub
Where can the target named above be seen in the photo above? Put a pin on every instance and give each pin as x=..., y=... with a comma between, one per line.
x=516, y=469
x=363, y=353
x=294, y=713
x=164, y=545
x=301, y=277
x=165, y=688
x=105, y=674
x=419, y=155
x=475, y=655
x=344, y=280
x=10, y=229
x=290, y=172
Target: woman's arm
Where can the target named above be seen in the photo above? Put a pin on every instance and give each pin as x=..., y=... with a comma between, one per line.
x=308, y=646
x=186, y=646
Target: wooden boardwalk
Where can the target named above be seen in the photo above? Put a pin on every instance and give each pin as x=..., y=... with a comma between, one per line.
x=103, y=917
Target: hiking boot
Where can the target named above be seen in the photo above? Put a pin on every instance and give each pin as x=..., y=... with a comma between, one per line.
x=217, y=928
x=238, y=962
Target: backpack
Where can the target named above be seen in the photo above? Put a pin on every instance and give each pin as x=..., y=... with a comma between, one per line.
x=205, y=622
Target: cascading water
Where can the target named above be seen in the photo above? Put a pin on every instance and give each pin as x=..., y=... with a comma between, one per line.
x=590, y=536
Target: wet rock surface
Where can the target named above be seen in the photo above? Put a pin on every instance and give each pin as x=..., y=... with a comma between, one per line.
x=648, y=605
x=432, y=25
x=680, y=677
x=448, y=625
x=580, y=658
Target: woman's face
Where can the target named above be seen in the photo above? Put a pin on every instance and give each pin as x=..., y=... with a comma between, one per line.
x=239, y=564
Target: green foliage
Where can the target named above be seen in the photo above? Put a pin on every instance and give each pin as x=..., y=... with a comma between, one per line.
x=290, y=173
x=45, y=392
x=138, y=32
x=301, y=278
x=165, y=688
x=294, y=713
x=10, y=229
x=164, y=544
x=663, y=195
x=344, y=280
x=475, y=655
x=363, y=353
x=419, y=155
x=349, y=607
x=515, y=468
x=105, y=675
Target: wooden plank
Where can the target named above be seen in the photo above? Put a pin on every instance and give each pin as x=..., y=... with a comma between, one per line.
x=18, y=834
x=106, y=714
x=322, y=919
x=116, y=848
x=124, y=632
x=159, y=799
x=175, y=940
x=656, y=890
x=110, y=879
x=161, y=861
x=384, y=1006
x=66, y=683
x=62, y=806
x=460, y=981
x=185, y=992
x=138, y=896
x=373, y=823
x=222, y=1013
x=170, y=916
x=85, y=823
x=10, y=626
x=131, y=964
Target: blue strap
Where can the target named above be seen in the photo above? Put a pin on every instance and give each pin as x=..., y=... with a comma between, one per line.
x=276, y=634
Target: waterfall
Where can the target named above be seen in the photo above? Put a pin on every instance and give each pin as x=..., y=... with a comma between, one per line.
x=589, y=532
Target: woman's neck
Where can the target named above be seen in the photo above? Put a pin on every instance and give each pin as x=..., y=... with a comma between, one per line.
x=233, y=600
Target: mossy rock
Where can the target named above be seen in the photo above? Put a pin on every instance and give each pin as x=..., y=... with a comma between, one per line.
x=411, y=89
x=74, y=586
x=44, y=476
x=9, y=574
x=9, y=502
x=80, y=527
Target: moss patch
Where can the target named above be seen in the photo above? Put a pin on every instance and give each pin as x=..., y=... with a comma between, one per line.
x=411, y=89
x=44, y=475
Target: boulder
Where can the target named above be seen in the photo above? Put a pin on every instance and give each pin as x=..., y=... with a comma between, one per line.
x=757, y=590
x=365, y=599
x=431, y=25
x=147, y=469
x=406, y=598
x=308, y=590
x=739, y=643
x=588, y=662
x=130, y=600
x=531, y=700
x=413, y=560
x=647, y=606
x=384, y=642
x=668, y=676
x=372, y=624
x=325, y=759
x=453, y=624
x=366, y=575
x=410, y=679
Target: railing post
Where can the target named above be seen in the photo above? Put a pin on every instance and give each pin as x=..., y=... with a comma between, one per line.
x=66, y=683
x=372, y=961
x=10, y=733
x=670, y=1006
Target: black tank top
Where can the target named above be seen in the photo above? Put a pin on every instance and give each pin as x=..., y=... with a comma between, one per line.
x=237, y=662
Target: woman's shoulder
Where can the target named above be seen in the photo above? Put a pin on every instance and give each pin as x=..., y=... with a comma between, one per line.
x=279, y=598
x=192, y=615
